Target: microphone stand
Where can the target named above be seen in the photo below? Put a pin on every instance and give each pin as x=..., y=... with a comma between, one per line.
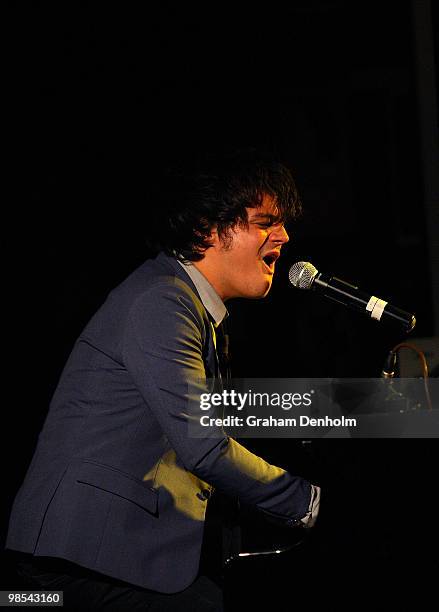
x=390, y=370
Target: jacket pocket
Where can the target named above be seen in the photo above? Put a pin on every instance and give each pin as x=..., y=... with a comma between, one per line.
x=116, y=482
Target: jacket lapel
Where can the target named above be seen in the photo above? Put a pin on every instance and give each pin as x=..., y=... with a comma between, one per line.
x=210, y=356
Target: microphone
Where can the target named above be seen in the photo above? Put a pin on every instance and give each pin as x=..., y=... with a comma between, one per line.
x=303, y=275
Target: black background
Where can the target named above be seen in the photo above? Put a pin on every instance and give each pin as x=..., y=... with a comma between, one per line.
x=104, y=96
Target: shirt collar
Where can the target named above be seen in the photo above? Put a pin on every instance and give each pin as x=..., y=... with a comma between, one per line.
x=210, y=298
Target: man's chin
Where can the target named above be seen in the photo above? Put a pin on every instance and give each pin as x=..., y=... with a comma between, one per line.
x=262, y=292
x=255, y=291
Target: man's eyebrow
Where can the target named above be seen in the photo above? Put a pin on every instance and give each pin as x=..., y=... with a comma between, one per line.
x=271, y=218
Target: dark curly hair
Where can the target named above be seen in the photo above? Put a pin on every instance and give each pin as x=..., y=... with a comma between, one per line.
x=214, y=194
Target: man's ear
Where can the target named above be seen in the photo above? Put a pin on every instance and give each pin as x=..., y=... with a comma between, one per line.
x=214, y=238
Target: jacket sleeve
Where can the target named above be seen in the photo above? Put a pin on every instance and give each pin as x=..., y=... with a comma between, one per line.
x=162, y=350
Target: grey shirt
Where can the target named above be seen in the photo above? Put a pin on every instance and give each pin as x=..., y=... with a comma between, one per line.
x=210, y=298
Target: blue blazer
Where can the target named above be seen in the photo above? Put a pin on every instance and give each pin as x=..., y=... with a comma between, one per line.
x=116, y=483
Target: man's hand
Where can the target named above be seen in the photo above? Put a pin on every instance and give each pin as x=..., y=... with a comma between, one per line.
x=310, y=517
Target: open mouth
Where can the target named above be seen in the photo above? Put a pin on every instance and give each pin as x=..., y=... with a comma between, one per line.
x=269, y=260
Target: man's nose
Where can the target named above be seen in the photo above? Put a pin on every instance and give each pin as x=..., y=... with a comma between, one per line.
x=279, y=234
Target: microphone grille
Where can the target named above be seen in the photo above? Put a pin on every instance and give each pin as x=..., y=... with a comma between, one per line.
x=301, y=274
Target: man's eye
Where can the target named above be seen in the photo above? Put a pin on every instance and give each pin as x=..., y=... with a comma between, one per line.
x=266, y=225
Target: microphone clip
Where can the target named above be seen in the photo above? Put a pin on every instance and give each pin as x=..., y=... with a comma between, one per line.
x=390, y=366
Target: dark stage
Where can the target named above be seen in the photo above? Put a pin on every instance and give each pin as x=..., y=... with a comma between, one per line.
x=104, y=98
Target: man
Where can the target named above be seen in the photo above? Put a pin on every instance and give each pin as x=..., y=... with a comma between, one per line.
x=114, y=501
